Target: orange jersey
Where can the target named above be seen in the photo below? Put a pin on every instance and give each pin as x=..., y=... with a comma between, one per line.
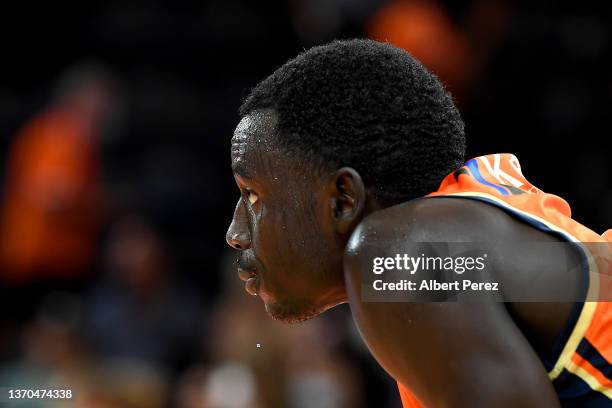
x=580, y=367
x=49, y=218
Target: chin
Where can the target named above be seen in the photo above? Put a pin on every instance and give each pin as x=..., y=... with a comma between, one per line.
x=291, y=313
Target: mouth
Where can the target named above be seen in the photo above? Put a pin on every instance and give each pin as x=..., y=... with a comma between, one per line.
x=251, y=279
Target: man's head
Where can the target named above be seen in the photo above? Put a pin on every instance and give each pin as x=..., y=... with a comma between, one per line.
x=337, y=132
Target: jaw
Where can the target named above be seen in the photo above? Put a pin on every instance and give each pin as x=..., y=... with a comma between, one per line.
x=292, y=296
x=290, y=313
x=301, y=310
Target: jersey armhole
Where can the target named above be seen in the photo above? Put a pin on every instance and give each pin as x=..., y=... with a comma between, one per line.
x=582, y=312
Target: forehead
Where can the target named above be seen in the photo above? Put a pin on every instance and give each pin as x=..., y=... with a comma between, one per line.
x=257, y=123
x=252, y=139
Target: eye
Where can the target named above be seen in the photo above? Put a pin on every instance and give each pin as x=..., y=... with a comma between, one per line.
x=252, y=196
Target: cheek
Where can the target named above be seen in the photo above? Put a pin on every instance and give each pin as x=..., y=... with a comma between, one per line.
x=271, y=235
x=283, y=236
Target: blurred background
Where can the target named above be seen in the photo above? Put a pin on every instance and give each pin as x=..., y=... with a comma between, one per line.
x=116, y=190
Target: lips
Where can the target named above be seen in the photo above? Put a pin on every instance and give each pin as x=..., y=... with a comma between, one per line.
x=251, y=278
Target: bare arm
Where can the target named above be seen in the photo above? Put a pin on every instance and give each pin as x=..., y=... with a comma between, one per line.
x=448, y=354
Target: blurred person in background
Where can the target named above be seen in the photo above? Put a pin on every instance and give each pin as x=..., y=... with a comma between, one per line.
x=53, y=198
x=54, y=354
x=461, y=49
x=413, y=25
x=137, y=310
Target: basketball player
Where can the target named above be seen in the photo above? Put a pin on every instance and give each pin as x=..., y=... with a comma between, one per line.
x=353, y=150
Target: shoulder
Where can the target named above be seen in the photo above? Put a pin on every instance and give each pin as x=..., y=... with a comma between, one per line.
x=421, y=227
x=439, y=219
x=418, y=226
x=472, y=334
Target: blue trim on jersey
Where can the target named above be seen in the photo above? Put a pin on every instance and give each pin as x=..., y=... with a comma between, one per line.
x=569, y=386
x=472, y=164
x=587, y=351
x=562, y=338
x=573, y=392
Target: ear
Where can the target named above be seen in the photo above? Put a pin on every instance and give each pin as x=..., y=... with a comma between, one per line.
x=348, y=199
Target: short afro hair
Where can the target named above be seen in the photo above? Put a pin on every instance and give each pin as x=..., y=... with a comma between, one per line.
x=370, y=106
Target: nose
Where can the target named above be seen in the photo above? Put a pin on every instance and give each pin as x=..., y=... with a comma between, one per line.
x=238, y=236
